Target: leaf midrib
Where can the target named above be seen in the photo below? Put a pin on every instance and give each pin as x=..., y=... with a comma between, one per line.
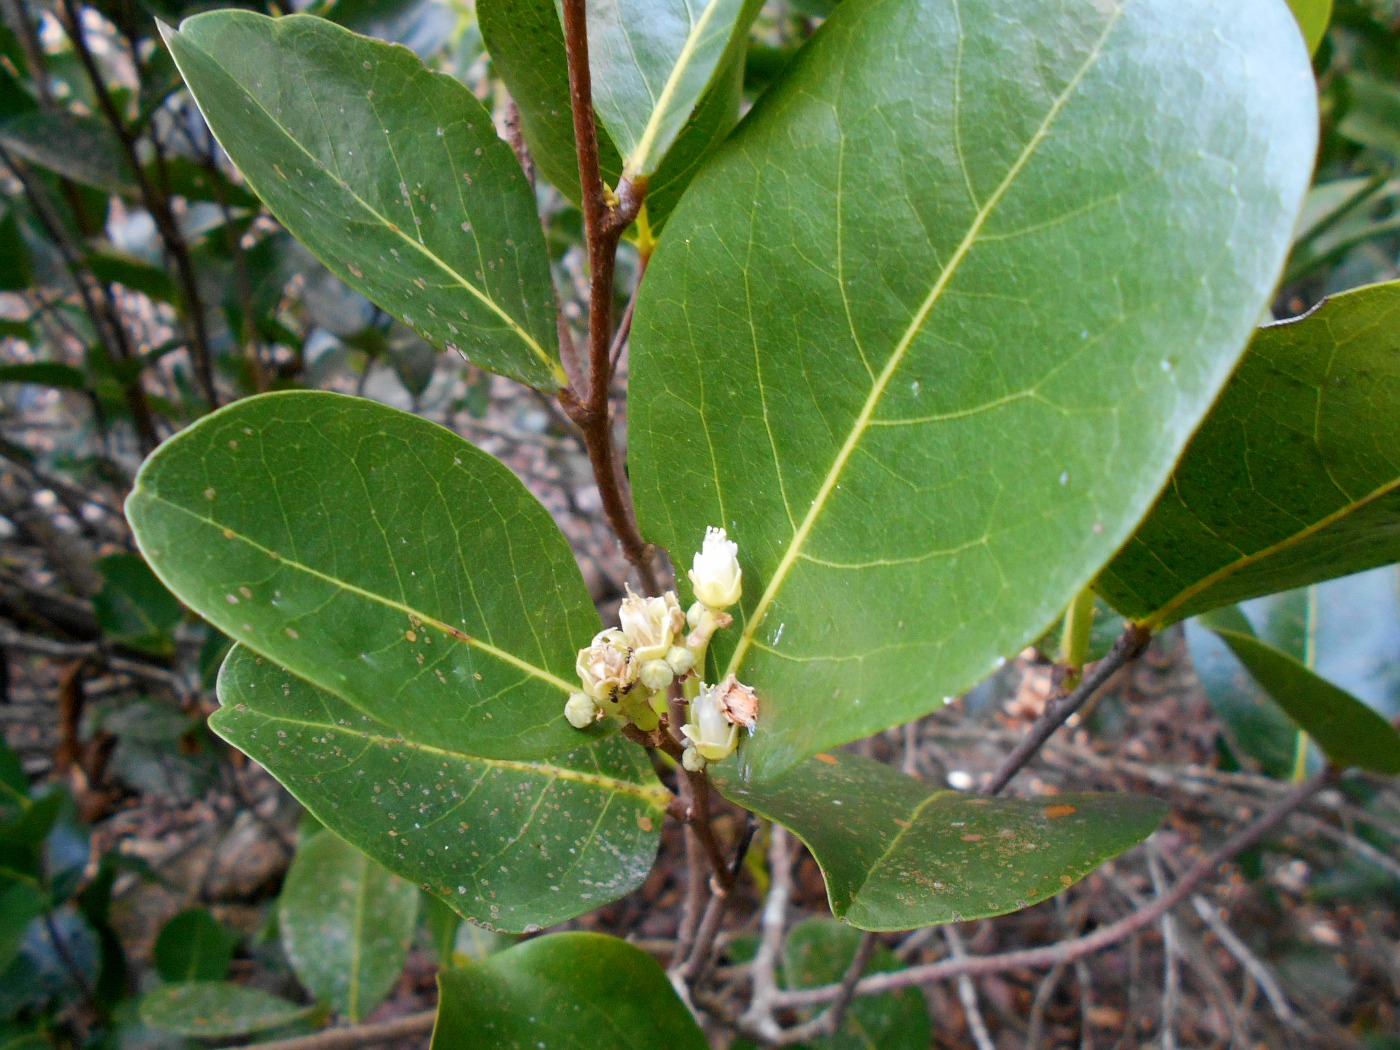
x=641, y=154
x=451, y=632
x=657, y=795
x=862, y=422
x=1153, y=621
x=442, y=264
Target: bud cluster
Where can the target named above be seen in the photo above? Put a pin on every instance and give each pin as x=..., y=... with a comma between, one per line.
x=627, y=670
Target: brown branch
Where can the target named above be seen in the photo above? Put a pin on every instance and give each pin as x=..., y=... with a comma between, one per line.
x=1128, y=647
x=356, y=1035
x=1069, y=951
x=605, y=218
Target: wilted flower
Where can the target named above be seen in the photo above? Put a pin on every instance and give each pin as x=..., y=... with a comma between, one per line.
x=606, y=668
x=738, y=703
x=715, y=572
x=651, y=625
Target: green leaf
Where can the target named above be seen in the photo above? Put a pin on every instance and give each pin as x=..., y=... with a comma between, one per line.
x=133, y=607
x=898, y=855
x=194, y=946
x=380, y=557
x=651, y=61
x=215, y=1010
x=1312, y=16
x=1293, y=478
x=511, y=844
x=346, y=924
x=1348, y=732
x=1372, y=116
x=526, y=42
x=16, y=266
x=81, y=148
x=565, y=990
x=44, y=373
x=818, y=951
x=391, y=174
x=903, y=339
x=1355, y=644
x=20, y=904
x=134, y=273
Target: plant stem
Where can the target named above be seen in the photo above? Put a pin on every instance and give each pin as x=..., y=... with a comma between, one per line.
x=1129, y=646
x=357, y=1035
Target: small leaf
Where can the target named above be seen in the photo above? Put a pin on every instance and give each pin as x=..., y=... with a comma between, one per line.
x=1313, y=16
x=194, y=946
x=346, y=924
x=902, y=339
x=134, y=273
x=526, y=41
x=391, y=174
x=818, y=951
x=16, y=265
x=566, y=989
x=1348, y=732
x=380, y=557
x=898, y=855
x=20, y=904
x=216, y=1010
x=80, y=148
x=44, y=373
x=134, y=608
x=651, y=61
x=510, y=844
x=1293, y=478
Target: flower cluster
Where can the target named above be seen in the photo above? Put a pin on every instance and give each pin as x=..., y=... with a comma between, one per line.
x=627, y=670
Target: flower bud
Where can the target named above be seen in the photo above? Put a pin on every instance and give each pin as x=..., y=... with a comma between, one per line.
x=681, y=659
x=606, y=668
x=708, y=730
x=691, y=759
x=581, y=711
x=715, y=572
x=656, y=674
x=650, y=624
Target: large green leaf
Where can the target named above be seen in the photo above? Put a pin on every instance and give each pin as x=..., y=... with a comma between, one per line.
x=526, y=42
x=564, y=990
x=510, y=844
x=652, y=61
x=817, y=952
x=391, y=174
x=1348, y=732
x=194, y=946
x=898, y=855
x=346, y=924
x=1293, y=478
x=378, y=556
x=905, y=336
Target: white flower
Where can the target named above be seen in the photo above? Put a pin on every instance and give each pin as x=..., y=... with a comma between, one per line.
x=715, y=572
x=581, y=711
x=606, y=667
x=651, y=624
x=709, y=731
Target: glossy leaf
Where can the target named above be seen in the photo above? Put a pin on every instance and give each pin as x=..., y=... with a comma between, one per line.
x=818, y=952
x=194, y=946
x=346, y=924
x=216, y=1010
x=652, y=61
x=565, y=990
x=1293, y=478
x=380, y=557
x=508, y=843
x=1356, y=646
x=1348, y=732
x=903, y=339
x=1313, y=16
x=391, y=174
x=898, y=855
x=526, y=41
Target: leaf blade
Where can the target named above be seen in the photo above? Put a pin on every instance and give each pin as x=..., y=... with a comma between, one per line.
x=474, y=269
x=891, y=435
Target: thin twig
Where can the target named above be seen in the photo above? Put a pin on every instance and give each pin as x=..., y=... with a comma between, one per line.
x=356, y=1035
x=1068, y=951
x=1129, y=646
x=967, y=994
x=1171, y=975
